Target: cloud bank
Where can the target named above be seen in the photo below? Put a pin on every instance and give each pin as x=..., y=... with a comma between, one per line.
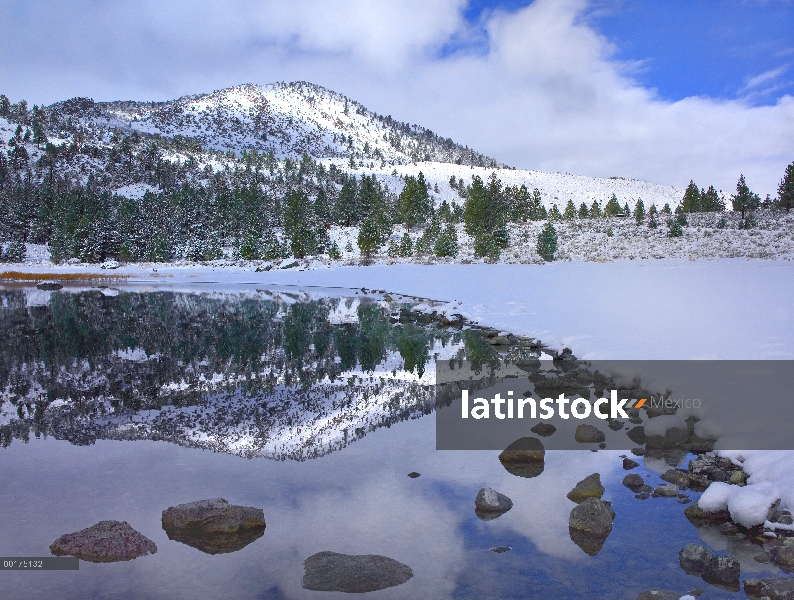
x=538, y=88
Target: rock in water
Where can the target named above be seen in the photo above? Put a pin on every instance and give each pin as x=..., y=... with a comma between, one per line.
x=589, y=434
x=699, y=560
x=525, y=449
x=107, y=541
x=332, y=572
x=722, y=570
x=413, y=474
x=49, y=285
x=214, y=526
x=590, y=524
x=774, y=588
x=783, y=557
x=629, y=464
x=679, y=478
x=524, y=458
x=697, y=516
x=589, y=487
x=634, y=482
x=490, y=504
x=665, y=491
x=693, y=558
x=543, y=429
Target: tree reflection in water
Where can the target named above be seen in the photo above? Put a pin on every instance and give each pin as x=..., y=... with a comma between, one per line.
x=273, y=374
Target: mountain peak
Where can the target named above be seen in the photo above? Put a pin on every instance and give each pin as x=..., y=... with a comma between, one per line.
x=288, y=119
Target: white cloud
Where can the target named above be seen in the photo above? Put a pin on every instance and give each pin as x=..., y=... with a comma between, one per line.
x=765, y=77
x=541, y=88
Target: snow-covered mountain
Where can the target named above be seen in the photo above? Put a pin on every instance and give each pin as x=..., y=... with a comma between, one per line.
x=129, y=147
x=288, y=119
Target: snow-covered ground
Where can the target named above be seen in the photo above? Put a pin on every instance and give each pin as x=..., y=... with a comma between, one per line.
x=707, y=236
x=555, y=188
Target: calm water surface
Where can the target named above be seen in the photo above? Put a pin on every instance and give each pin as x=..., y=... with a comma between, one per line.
x=312, y=406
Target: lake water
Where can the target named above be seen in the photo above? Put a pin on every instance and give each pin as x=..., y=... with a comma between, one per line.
x=313, y=405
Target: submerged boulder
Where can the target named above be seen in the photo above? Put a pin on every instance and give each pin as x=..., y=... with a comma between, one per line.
x=333, y=572
x=107, y=541
x=214, y=526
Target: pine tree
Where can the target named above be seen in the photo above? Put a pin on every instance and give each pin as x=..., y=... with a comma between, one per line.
x=485, y=246
x=595, y=210
x=406, y=246
x=252, y=247
x=554, y=213
x=612, y=209
x=447, y=242
x=570, y=211
x=445, y=212
x=666, y=209
x=322, y=208
x=583, y=212
x=710, y=200
x=15, y=252
x=520, y=204
x=299, y=224
x=477, y=212
x=334, y=252
x=346, y=208
x=639, y=211
x=547, y=242
x=368, y=237
x=429, y=236
x=675, y=229
x=626, y=210
x=413, y=204
x=691, y=200
x=537, y=211
x=785, y=190
x=744, y=200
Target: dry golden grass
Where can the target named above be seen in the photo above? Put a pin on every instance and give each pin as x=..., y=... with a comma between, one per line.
x=19, y=276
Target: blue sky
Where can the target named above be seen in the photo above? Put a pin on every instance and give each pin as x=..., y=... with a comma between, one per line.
x=716, y=48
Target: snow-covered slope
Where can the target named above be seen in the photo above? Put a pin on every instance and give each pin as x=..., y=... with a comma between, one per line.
x=289, y=119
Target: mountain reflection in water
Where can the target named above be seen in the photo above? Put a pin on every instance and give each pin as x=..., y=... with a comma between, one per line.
x=274, y=374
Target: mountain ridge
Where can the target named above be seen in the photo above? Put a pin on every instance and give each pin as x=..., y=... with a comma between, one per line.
x=287, y=119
